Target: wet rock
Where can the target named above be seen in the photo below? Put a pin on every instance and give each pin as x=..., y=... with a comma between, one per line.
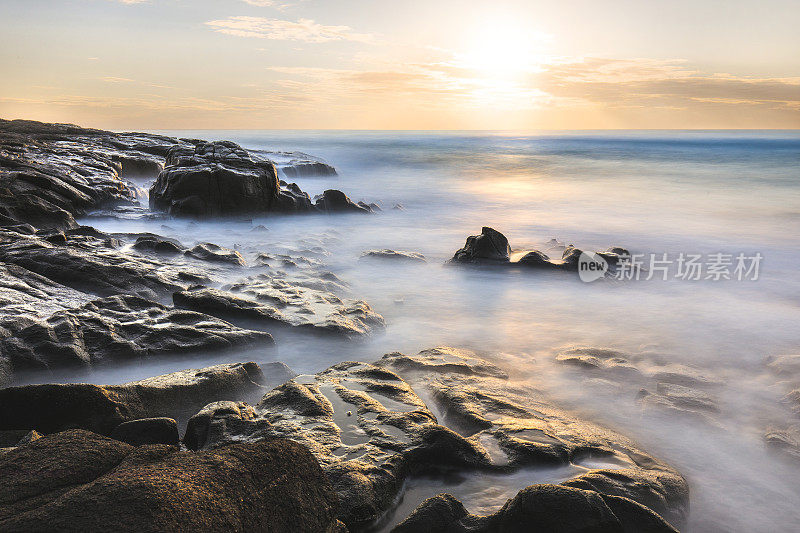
x=214, y=179
x=440, y=513
x=119, y=328
x=333, y=200
x=490, y=245
x=86, y=265
x=535, y=259
x=670, y=387
x=364, y=424
x=26, y=297
x=370, y=429
x=79, y=481
x=52, y=173
x=311, y=305
x=398, y=255
x=160, y=430
x=55, y=407
x=301, y=167
x=207, y=251
x=551, y=508
x=515, y=425
x=157, y=244
x=227, y=306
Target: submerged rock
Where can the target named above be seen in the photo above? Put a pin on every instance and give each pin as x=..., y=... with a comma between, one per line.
x=671, y=387
x=55, y=407
x=80, y=481
x=394, y=254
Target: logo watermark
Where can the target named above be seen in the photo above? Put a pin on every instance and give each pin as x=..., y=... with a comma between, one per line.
x=591, y=267
x=664, y=266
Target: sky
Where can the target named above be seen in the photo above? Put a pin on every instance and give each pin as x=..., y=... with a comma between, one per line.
x=402, y=64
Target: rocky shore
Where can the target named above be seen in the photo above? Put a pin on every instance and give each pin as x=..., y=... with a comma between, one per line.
x=247, y=446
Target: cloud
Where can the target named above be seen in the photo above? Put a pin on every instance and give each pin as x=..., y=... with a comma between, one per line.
x=648, y=83
x=303, y=30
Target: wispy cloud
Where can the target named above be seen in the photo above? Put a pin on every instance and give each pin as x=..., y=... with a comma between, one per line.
x=285, y=30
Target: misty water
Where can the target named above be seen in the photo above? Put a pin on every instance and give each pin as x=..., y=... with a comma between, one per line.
x=651, y=192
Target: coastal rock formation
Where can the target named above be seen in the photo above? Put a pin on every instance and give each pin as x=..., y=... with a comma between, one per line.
x=80, y=481
x=213, y=179
x=333, y=201
x=399, y=255
x=222, y=179
x=370, y=429
x=491, y=247
x=311, y=305
x=55, y=407
x=119, y=328
x=86, y=264
x=552, y=508
x=207, y=251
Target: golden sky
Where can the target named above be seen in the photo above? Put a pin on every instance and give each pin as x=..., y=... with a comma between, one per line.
x=358, y=64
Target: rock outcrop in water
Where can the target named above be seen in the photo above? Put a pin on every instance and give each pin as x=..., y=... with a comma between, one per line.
x=492, y=248
x=80, y=481
x=370, y=430
x=53, y=270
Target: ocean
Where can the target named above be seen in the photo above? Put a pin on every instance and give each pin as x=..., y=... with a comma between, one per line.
x=663, y=195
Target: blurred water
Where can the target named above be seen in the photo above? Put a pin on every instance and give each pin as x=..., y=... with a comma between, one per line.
x=703, y=192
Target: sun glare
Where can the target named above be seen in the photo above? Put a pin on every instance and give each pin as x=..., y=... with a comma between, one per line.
x=503, y=49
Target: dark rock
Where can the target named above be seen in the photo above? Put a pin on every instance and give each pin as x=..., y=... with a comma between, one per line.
x=55, y=407
x=215, y=179
x=546, y=508
x=333, y=200
x=119, y=328
x=394, y=254
x=490, y=245
x=156, y=244
x=434, y=515
x=86, y=267
x=160, y=430
x=207, y=251
x=307, y=169
x=79, y=481
x=535, y=259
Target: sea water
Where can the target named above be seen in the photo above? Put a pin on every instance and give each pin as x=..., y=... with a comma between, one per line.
x=682, y=192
